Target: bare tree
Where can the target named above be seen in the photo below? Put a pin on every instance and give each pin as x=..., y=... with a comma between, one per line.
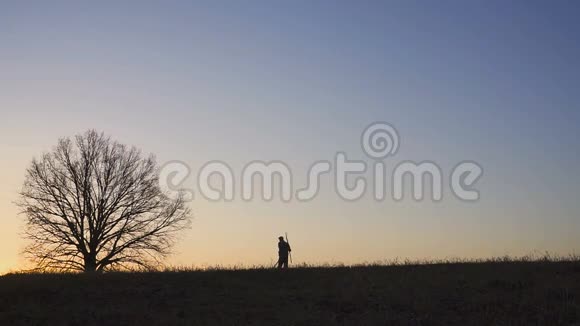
x=93, y=204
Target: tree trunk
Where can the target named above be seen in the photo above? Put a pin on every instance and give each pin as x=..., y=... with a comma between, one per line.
x=90, y=263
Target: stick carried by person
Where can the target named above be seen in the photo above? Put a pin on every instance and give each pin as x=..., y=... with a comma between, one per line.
x=289, y=250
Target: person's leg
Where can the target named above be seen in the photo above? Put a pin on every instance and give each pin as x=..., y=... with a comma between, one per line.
x=280, y=262
x=285, y=262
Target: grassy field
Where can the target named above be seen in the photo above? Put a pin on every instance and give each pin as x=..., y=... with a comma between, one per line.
x=490, y=293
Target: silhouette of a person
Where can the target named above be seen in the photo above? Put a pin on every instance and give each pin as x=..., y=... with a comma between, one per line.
x=283, y=251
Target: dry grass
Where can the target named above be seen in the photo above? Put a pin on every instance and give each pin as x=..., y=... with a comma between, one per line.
x=501, y=291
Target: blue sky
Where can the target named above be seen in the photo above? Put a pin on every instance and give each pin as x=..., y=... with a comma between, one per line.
x=490, y=81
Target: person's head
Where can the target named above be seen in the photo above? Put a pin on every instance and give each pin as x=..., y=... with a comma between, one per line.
x=281, y=238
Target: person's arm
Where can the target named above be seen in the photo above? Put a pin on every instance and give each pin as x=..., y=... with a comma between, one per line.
x=289, y=249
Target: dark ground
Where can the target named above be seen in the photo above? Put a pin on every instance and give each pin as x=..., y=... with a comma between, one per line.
x=501, y=293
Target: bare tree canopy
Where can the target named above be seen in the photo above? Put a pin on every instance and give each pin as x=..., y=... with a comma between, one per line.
x=93, y=204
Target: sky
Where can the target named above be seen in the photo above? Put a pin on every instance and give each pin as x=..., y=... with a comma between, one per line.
x=493, y=82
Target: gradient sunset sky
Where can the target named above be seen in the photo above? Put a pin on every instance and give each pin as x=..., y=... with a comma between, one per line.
x=496, y=82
